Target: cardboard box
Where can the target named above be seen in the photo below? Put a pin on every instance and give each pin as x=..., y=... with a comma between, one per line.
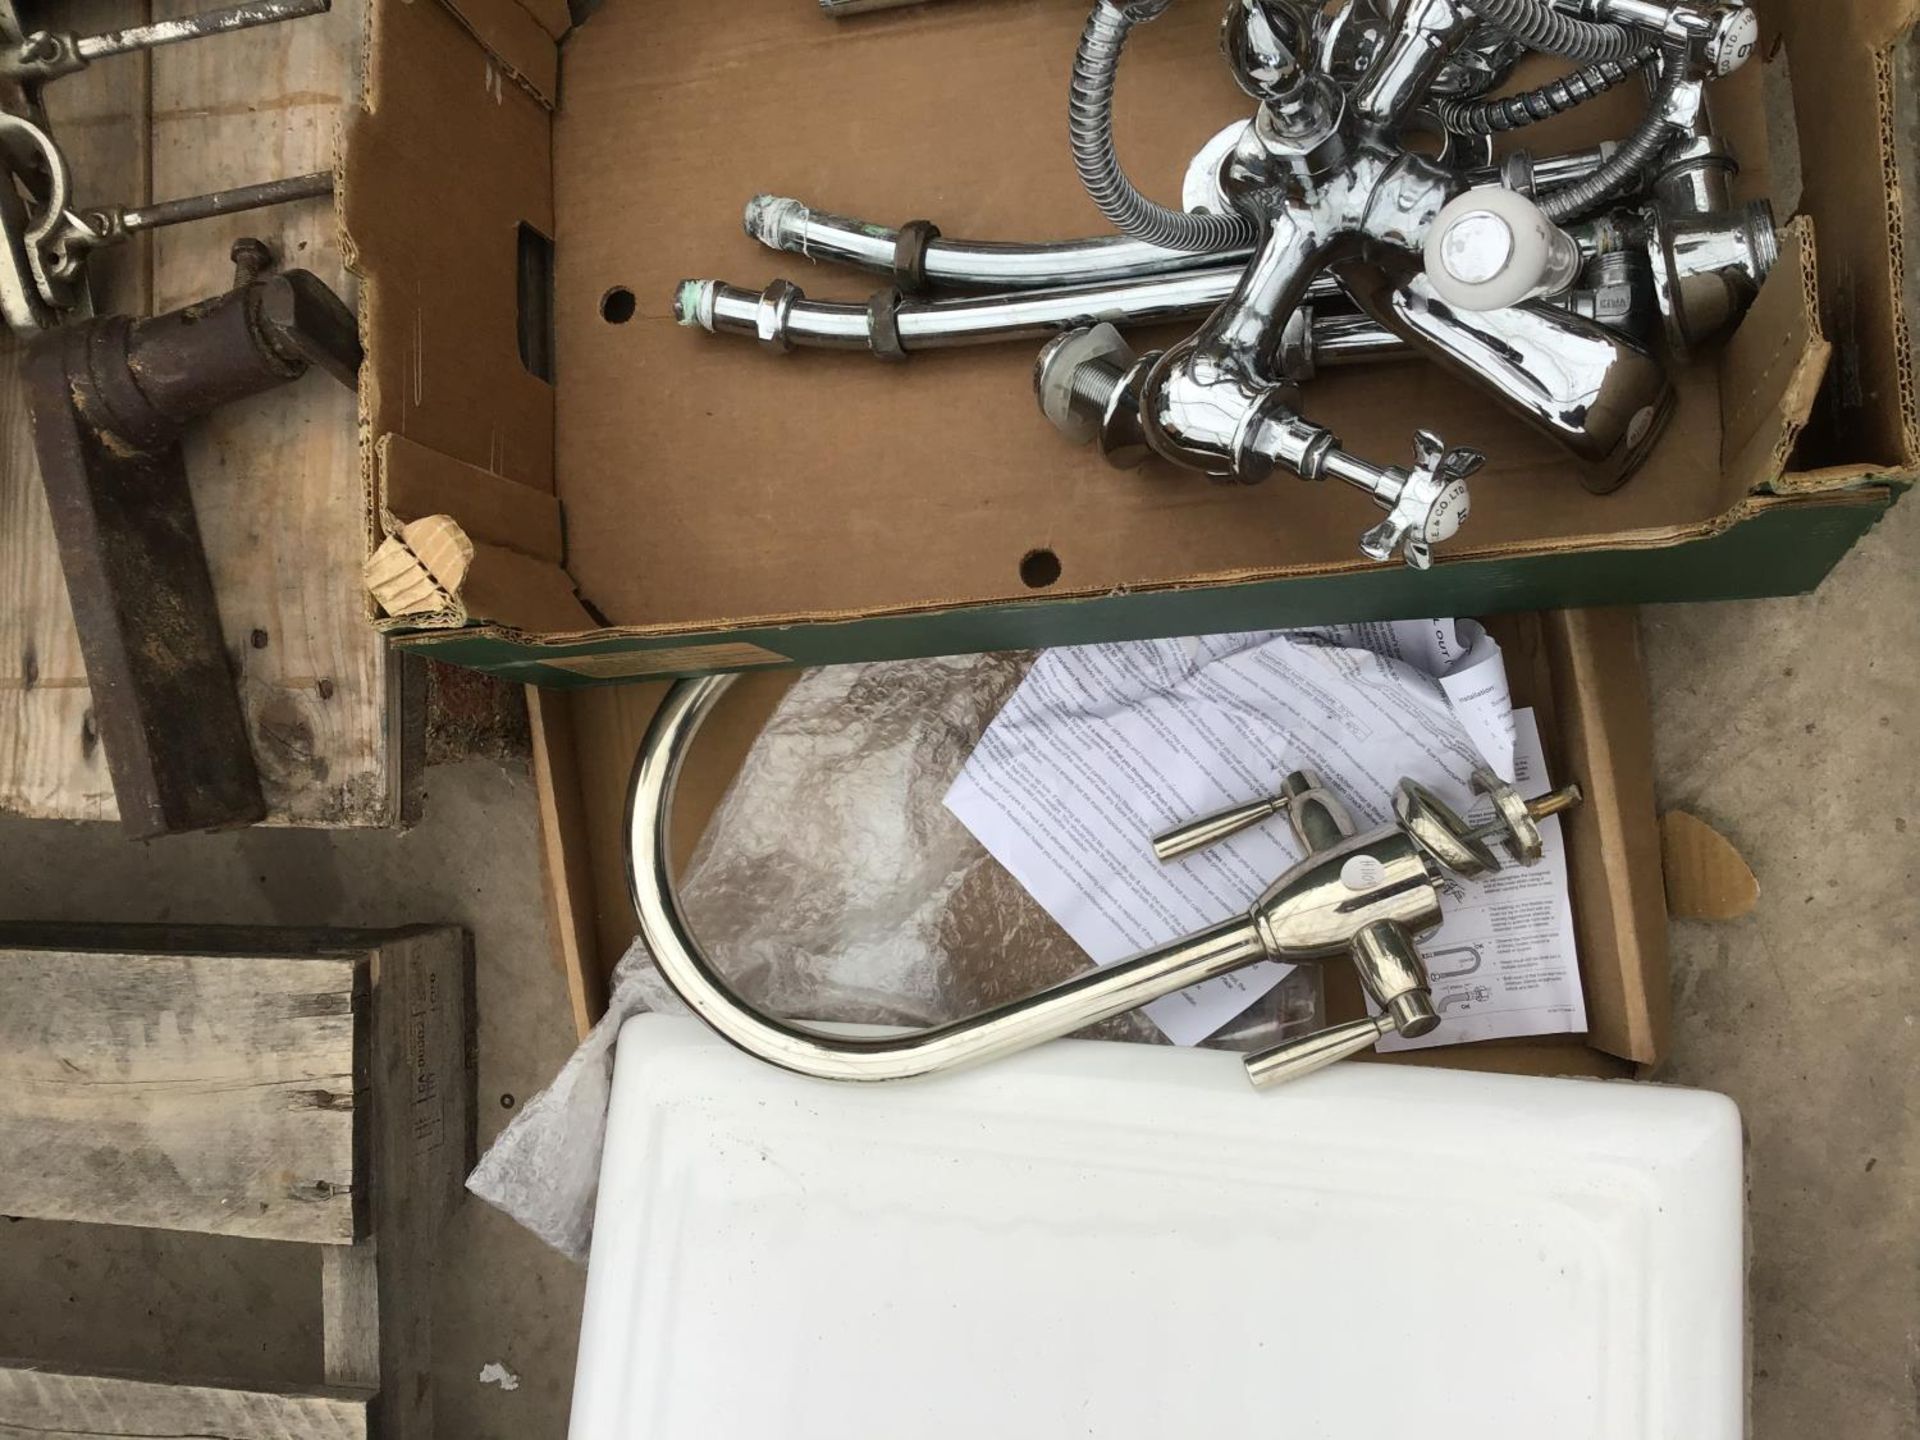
x=1580, y=670
x=634, y=498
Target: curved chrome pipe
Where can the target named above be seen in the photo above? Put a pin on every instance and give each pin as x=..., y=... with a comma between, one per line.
x=1047, y=1014
x=1367, y=897
x=781, y=317
x=787, y=224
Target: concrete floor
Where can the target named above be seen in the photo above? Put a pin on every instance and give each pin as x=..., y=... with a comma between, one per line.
x=1790, y=725
x=1787, y=724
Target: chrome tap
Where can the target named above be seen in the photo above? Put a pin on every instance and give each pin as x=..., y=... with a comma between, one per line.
x=1365, y=896
x=1364, y=177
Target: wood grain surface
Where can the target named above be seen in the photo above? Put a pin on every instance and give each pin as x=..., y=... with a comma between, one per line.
x=215, y=1093
x=42, y=1404
x=276, y=479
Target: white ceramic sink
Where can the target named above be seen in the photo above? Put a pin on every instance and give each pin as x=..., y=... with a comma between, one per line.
x=1120, y=1241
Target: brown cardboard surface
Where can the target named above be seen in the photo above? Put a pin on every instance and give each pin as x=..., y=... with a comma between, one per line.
x=1604, y=735
x=553, y=16
x=518, y=40
x=501, y=579
x=493, y=510
x=1706, y=877
x=1842, y=65
x=1579, y=670
x=567, y=881
x=1771, y=368
x=443, y=166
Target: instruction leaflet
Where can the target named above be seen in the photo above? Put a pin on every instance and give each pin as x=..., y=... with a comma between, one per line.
x=1104, y=746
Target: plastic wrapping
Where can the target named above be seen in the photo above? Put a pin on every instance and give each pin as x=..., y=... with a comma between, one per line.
x=833, y=884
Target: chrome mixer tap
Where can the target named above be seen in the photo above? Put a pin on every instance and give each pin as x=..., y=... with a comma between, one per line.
x=1365, y=896
x=1363, y=181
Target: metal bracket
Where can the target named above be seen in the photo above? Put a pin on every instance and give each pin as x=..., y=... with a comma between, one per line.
x=110, y=400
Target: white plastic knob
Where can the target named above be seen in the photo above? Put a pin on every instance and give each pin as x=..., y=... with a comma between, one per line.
x=1491, y=248
x=1733, y=39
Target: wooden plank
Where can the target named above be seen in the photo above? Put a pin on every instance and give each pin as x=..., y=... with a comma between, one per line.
x=566, y=875
x=377, y=1298
x=42, y=1404
x=50, y=758
x=188, y=1091
x=276, y=480
x=350, y=1314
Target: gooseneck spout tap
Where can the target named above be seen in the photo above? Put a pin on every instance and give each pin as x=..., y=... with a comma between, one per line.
x=1362, y=896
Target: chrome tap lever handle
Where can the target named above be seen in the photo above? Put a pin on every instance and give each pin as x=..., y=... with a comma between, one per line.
x=1211, y=829
x=1315, y=1052
x=1394, y=977
x=1424, y=506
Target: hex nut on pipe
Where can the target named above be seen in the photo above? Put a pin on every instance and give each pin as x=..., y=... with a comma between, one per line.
x=770, y=316
x=1054, y=372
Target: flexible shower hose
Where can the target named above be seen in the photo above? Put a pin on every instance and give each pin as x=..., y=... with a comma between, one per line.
x=1544, y=28
x=1636, y=152
x=1556, y=97
x=1090, y=123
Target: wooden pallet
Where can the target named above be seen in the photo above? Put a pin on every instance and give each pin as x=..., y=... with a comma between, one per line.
x=276, y=481
x=307, y=1086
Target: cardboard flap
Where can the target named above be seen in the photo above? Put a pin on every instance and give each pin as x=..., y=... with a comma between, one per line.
x=1852, y=144
x=529, y=595
x=518, y=40
x=437, y=242
x=416, y=481
x=1606, y=745
x=1771, y=368
x=1706, y=877
x=552, y=16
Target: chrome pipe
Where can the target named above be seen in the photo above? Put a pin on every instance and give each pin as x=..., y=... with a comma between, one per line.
x=1060, y=1009
x=786, y=224
x=782, y=223
x=781, y=317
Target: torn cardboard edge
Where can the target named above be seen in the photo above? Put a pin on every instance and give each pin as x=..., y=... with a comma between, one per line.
x=546, y=582
x=1706, y=877
x=1771, y=369
x=1885, y=89
x=430, y=572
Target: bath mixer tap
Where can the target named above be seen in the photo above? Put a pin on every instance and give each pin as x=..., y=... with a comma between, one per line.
x=1563, y=288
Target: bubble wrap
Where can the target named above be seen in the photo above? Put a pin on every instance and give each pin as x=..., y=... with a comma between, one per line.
x=833, y=884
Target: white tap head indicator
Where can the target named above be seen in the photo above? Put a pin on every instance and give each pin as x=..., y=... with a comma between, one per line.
x=1492, y=247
